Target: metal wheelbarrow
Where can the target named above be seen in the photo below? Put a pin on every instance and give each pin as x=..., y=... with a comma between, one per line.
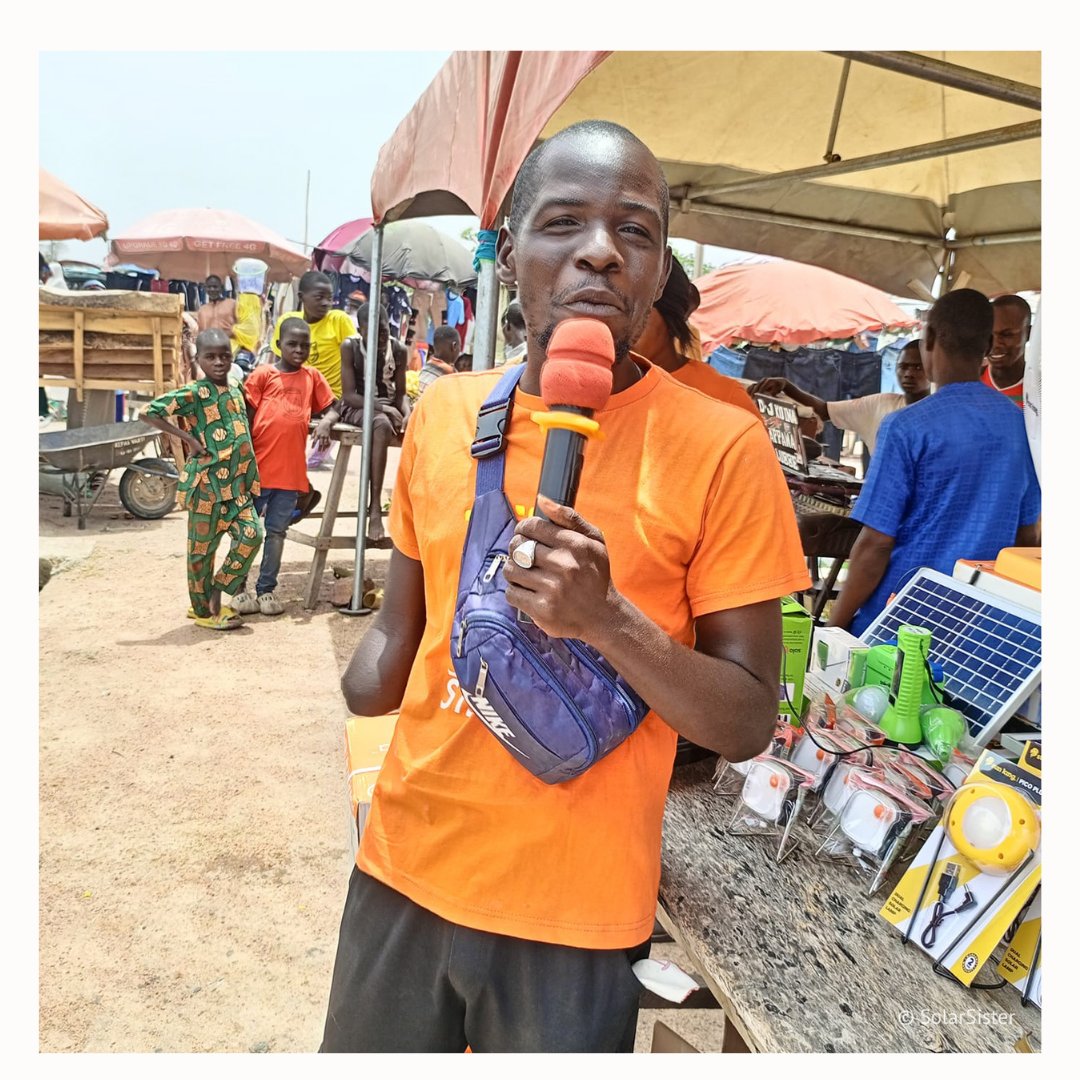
x=83, y=458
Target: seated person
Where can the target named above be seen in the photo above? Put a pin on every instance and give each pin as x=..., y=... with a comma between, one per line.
x=952, y=477
x=391, y=411
x=444, y=353
x=671, y=343
x=862, y=415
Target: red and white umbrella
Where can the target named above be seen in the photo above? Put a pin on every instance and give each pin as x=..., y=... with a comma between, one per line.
x=789, y=303
x=190, y=244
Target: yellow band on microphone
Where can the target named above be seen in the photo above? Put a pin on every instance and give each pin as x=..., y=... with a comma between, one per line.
x=567, y=421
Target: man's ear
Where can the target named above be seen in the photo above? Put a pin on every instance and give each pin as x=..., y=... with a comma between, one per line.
x=505, y=268
x=664, y=275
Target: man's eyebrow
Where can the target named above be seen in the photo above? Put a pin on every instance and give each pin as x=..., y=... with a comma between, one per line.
x=576, y=203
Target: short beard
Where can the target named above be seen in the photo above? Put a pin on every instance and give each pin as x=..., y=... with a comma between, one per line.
x=543, y=339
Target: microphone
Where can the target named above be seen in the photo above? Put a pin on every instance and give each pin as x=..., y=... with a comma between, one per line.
x=575, y=381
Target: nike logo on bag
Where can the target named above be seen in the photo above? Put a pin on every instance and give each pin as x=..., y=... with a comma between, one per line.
x=492, y=720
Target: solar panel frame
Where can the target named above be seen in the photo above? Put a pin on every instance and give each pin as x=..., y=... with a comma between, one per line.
x=989, y=648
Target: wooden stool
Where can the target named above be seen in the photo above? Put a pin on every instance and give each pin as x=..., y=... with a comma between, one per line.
x=346, y=436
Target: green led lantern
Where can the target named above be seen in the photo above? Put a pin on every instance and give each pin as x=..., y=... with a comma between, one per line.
x=901, y=720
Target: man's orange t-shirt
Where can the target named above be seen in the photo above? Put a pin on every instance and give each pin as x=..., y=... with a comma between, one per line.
x=697, y=519
x=283, y=402
x=701, y=377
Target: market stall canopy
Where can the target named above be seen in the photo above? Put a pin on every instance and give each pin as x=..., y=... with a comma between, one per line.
x=881, y=165
x=789, y=303
x=330, y=252
x=192, y=243
x=64, y=215
x=415, y=253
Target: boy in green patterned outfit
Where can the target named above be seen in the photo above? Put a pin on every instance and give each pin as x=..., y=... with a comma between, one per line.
x=219, y=479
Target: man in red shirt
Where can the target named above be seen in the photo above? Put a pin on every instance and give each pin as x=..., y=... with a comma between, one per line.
x=281, y=399
x=1005, y=362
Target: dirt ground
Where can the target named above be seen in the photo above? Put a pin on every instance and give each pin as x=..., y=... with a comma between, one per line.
x=193, y=815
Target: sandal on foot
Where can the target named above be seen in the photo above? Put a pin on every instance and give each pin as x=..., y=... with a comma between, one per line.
x=269, y=604
x=245, y=603
x=228, y=612
x=221, y=621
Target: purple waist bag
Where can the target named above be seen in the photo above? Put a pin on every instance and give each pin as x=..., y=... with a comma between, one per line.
x=555, y=704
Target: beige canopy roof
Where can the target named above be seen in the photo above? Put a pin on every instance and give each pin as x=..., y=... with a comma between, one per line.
x=64, y=214
x=917, y=144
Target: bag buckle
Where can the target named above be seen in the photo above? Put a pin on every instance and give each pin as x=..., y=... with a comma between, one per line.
x=491, y=424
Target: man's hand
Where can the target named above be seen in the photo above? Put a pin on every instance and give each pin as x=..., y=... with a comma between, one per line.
x=197, y=449
x=771, y=387
x=321, y=437
x=568, y=591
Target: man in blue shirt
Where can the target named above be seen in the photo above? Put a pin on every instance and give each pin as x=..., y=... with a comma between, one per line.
x=952, y=477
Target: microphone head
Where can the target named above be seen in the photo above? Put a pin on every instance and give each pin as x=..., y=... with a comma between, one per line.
x=578, y=367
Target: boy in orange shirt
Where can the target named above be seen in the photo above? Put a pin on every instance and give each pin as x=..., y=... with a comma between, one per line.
x=282, y=398
x=488, y=908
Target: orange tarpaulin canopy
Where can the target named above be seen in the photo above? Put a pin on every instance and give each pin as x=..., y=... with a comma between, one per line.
x=933, y=158
x=64, y=215
x=788, y=303
x=189, y=244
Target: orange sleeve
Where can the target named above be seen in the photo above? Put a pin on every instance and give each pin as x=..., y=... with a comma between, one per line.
x=402, y=525
x=253, y=386
x=749, y=549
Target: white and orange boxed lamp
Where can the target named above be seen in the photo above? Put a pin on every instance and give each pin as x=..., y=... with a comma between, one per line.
x=367, y=739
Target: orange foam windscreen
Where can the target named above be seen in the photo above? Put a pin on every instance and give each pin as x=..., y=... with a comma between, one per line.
x=578, y=366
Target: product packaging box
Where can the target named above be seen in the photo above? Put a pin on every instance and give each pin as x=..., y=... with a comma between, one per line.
x=367, y=739
x=838, y=658
x=941, y=881
x=797, y=627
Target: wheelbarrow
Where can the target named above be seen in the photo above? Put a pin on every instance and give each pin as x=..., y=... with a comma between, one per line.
x=83, y=458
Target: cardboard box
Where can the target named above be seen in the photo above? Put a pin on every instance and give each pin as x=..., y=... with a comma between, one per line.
x=797, y=627
x=837, y=658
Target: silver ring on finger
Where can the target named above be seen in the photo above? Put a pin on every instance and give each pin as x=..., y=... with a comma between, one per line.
x=525, y=554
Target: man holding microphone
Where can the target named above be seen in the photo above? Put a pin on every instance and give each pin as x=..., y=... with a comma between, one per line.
x=487, y=908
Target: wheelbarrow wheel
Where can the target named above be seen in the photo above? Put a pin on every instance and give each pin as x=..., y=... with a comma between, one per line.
x=148, y=496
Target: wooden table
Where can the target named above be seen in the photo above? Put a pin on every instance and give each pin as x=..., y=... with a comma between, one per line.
x=796, y=953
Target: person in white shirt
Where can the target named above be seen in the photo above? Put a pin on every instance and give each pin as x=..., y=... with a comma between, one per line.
x=863, y=415
x=513, y=328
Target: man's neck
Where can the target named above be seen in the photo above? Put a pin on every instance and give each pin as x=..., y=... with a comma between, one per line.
x=918, y=395
x=1010, y=376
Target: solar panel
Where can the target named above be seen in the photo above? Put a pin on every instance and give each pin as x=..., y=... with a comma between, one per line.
x=989, y=649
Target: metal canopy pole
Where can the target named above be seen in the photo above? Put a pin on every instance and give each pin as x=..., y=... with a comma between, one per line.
x=374, y=308
x=487, y=316
x=959, y=78
x=960, y=144
x=841, y=90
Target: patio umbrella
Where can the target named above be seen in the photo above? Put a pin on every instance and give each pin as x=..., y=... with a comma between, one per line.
x=190, y=244
x=64, y=215
x=331, y=252
x=415, y=253
x=788, y=303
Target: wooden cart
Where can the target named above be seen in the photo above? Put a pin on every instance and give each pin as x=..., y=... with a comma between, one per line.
x=113, y=340
x=110, y=340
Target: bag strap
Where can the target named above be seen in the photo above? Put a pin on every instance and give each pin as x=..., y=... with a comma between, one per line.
x=492, y=423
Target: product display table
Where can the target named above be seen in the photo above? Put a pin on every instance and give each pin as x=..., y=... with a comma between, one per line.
x=796, y=953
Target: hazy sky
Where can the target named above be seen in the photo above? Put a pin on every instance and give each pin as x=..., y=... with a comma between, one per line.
x=235, y=131
x=138, y=132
